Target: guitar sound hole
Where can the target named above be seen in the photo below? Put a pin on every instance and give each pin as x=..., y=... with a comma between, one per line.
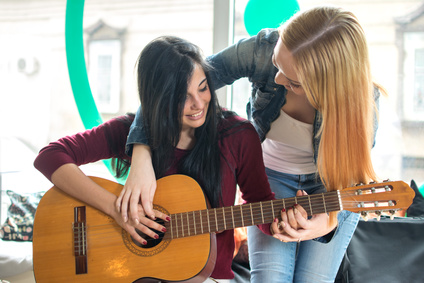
x=151, y=242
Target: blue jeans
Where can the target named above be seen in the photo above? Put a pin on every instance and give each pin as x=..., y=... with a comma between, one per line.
x=309, y=261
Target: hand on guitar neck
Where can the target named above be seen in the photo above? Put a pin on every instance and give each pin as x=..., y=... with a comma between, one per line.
x=294, y=225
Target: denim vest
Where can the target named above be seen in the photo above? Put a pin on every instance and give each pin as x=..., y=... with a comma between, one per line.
x=250, y=58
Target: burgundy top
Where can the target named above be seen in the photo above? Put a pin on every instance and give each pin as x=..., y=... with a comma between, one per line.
x=242, y=166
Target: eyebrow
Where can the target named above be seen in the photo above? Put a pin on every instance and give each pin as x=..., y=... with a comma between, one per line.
x=275, y=65
x=202, y=81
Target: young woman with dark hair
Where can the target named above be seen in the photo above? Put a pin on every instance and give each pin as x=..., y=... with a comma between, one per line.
x=189, y=133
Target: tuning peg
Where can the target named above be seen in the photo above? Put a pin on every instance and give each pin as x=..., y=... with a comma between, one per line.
x=378, y=212
x=364, y=215
x=392, y=214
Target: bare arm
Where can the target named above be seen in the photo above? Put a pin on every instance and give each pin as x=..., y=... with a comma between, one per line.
x=139, y=188
x=70, y=179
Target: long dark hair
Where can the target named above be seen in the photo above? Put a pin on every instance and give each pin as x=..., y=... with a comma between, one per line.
x=120, y=162
x=164, y=69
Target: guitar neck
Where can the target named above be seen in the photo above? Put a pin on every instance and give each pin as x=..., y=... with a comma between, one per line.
x=225, y=218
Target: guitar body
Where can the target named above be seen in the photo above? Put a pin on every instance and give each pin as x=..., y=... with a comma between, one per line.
x=109, y=253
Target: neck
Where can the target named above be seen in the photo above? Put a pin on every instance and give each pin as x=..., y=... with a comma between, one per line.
x=298, y=107
x=187, y=140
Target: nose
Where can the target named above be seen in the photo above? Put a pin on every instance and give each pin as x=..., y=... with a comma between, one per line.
x=196, y=102
x=281, y=80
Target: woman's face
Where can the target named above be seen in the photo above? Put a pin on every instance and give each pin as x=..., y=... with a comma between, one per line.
x=286, y=75
x=197, y=101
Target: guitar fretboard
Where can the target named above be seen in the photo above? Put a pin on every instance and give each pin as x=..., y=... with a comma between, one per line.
x=224, y=218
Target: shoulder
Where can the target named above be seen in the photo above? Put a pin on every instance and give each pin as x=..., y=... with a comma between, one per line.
x=120, y=120
x=234, y=127
x=118, y=124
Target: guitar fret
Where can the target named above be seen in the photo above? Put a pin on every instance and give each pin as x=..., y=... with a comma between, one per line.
x=272, y=209
x=340, y=200
x=242, y=218
x=323, y=202
x=176, y=225
x=216, y=221
x=225, y=222
x=194, y=222
x=232, y=216
x=251, y=213
x=172, y=228
x=201, y=221
x=188, y=224
x=262, y=212
x=310, y=205
x=182, y=224
x=209, y=224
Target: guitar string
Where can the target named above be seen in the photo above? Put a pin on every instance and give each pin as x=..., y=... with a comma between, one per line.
x=331, y=206
x=332, y=203
x=257, y=219
x=254, y=210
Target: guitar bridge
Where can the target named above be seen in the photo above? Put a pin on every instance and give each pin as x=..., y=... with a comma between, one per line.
x=79, y=228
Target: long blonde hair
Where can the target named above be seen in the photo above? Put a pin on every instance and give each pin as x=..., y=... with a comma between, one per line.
x=332, y=64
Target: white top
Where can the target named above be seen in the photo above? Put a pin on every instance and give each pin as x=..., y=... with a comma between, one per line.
x=288, y=148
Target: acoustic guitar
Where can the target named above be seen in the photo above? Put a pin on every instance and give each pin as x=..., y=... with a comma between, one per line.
x=73, y=242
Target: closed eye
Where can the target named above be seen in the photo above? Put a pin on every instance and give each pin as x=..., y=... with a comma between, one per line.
x=204, y=89
x=294, y=85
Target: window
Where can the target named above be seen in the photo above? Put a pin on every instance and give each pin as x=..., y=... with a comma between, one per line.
x=410, y=39
x=413, y=83
x=104, y=47
x=104, y=74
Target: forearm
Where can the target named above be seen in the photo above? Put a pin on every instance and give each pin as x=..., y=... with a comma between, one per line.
x=142, y=157
x=70, y=179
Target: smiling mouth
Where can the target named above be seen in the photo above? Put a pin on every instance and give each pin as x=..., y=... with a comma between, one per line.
x=197, y=114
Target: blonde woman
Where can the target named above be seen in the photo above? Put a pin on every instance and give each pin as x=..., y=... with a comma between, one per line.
x=313, y=105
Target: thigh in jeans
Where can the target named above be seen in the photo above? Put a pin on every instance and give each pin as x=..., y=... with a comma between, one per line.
x=319, y=262
x=270, y=260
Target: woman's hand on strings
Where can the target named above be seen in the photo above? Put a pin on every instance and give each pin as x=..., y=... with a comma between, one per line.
x=144, y=225
x=136, y=198
x=295, y=226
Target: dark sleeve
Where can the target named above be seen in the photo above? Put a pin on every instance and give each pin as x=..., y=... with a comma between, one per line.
x=83, y=148
x=137, y=134
x=249, y=58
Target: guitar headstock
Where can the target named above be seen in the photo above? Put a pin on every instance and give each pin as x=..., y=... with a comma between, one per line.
x=387, y=196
